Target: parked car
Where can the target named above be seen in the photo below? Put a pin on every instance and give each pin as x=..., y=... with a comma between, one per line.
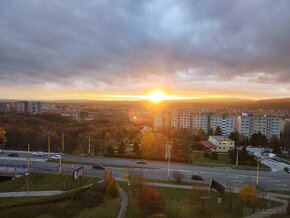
x=98, y=167
x=142, y=161
x=13, y=155
x=38, y=153
x=1, y=151
x=287, y=169
x=55, y=157
x=277, y=159
x=197, y=177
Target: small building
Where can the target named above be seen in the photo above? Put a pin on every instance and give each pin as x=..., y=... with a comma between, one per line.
x=221, y=143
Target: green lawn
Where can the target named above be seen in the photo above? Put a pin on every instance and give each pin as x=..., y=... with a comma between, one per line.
x=223, y=160
x=203, y=184
x=186, y=203
x=90, y=202
x=5, y=202
x=42, y=182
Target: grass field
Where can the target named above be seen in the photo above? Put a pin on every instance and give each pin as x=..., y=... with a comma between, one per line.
x=5, y=202
x=223, y=160
x=186, y=203
x=43, y=182
x=90, y=202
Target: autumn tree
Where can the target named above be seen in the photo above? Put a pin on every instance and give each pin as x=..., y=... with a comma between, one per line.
x=121, y=148
x=136, y=146
x=178, y=176
x=149, y=201
x=147, y=140
x=249, y=193
x=3, y=137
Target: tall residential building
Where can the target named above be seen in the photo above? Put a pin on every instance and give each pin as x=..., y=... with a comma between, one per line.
x=34, y=107
x=226, y=123
x=249, y=124
x=3, y=108
x=22, y=107
x=174, y=119
x=184, y=119
x=200, y=121
x=162, y=121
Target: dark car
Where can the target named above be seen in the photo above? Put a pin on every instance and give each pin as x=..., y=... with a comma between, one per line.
x=13, y=155
x=287, y=169
x=196, y=177
x=98, y=167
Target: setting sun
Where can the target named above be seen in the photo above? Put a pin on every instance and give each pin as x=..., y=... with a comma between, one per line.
x=156, y=96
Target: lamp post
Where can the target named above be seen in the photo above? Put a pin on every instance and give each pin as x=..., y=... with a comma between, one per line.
x=168, y=154
x=258, y=159
x=28, y=157
x=89, y=149
x=60, y=161
x=48, y=145
x=237, y=157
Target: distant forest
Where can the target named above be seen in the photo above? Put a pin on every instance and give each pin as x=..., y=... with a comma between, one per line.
x=22, y=129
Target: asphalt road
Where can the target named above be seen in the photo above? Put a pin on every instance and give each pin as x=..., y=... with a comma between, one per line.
x=232, y=178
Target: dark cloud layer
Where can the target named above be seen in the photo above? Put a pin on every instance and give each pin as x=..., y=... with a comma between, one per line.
x=106, y=42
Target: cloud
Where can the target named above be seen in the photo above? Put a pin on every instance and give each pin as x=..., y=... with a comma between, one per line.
x=110, y=45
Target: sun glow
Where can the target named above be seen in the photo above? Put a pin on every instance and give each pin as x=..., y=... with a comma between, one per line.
x=156, y=96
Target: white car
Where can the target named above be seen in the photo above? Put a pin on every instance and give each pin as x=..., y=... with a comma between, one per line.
x=1, y=151
x=38, y=153
x=55, y=157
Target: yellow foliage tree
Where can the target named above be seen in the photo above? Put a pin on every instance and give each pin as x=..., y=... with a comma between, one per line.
x=249, y=193
x=147, y=140
x=3, y=138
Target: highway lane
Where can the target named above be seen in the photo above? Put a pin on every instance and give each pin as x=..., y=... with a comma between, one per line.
x=158, y=170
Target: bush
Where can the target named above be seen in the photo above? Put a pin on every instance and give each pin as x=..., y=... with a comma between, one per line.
x=178, y=176
x=149, y=201
x=214, y=155
x=249, y=194
x=206, y=154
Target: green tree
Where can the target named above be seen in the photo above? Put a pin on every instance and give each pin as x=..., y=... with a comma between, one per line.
x=110, y=149
x=235, y=137
x=218, y=131
x=136, y=146
x=211, y=132
x=258, y=139
x=274, y=143
x=121, y=148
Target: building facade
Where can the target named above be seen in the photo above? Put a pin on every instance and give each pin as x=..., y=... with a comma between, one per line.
x=162, y=121
x=267, y=125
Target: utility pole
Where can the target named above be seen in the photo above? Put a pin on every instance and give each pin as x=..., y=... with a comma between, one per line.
x=60, y=170
x=48, y=144
x=62, y=142
x=168, y=154
x=28, y=157
x=89, y=151
x=258, y=168
x=237, y=157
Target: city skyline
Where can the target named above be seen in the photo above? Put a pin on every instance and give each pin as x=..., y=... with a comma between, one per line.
x=124, y=51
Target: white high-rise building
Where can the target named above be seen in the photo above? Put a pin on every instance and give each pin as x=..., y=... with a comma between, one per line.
x=184, y=119
x=162, y=121
x=34, y=107
x=174, y=119
x=268, y=126
x=200, y=121
x=226, y=123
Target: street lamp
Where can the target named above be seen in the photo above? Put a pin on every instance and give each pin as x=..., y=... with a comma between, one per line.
x=167, y=156
x=258, y=159
x=89, y=150
x=60, y=167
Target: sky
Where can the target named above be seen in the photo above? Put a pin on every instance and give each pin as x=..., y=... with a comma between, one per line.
x=105, y=49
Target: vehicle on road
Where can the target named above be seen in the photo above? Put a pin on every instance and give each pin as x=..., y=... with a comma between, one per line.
x=277, y=159
x=197, y=178
x=1, y=151
x=271, y=155
x=13, y=155
x=55, y=157
x=38, y=153
x=142, y=161
x=98, y=167
x=287, y=169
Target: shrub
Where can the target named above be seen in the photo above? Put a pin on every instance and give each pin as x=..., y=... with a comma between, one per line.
x=249, y=193
x=178, y=176
x=214, y=155
x=149, y=201
x=206, y=154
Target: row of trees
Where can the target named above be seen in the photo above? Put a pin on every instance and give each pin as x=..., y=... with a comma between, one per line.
x=22, y=129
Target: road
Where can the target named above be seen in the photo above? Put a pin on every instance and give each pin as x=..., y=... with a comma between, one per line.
x=232, y=178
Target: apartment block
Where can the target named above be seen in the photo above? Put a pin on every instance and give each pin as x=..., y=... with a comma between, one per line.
x=162, y=121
